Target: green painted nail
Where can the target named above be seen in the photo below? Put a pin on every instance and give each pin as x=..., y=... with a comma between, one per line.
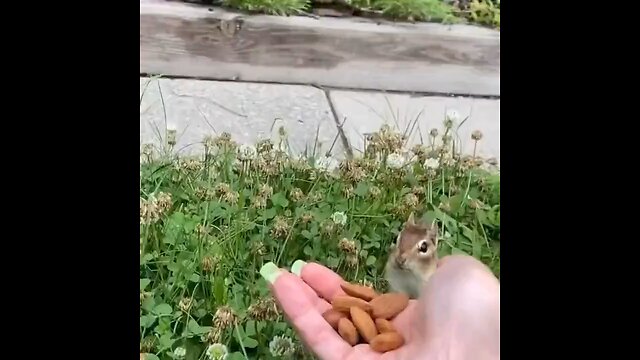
x=270, y=272
x=297, y=266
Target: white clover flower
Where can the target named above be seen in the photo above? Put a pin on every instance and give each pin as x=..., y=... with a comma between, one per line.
x=281, y=346
x=339, y=218
x=395, y=161
x=246, y=152
x=217, y=352
x=432, y=163
x=327, y=163
x=179, y=352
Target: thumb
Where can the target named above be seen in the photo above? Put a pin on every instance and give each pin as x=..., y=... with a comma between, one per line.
x=462, y=301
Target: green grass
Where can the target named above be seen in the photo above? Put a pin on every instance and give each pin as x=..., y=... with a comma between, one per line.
x=271, y=7
x=484, y=12
x=413, y=10
x=208, y=224
x=481, y=12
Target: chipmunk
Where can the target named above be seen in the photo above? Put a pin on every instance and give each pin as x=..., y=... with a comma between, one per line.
x=413, y=258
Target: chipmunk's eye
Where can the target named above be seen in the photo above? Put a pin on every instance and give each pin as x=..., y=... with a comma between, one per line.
x=423, y=246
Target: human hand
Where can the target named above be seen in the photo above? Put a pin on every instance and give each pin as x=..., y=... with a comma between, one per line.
x=457, y=316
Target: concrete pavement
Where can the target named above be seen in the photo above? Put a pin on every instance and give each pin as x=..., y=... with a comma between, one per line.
x=248, y=111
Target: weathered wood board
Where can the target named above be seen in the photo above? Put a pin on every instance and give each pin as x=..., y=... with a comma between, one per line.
x=190, y=41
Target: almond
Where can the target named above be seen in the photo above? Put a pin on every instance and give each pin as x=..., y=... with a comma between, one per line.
x=387, y=342
x=363, y=322
x=333, y=317
x=343, y=303
x=386, y=306
x=348, y=331
x=384, y=326
x=359, y=291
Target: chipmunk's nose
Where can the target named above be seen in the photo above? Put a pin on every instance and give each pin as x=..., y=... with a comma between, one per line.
x=400, y=260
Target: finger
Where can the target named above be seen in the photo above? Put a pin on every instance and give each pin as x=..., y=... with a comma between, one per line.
x=322, y=280
x=463, y=298
x=319, y=303
x=319, y=336
x=442, y=261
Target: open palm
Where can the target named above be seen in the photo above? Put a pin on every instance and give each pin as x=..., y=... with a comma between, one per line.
x=456, y=317
x=303, y=299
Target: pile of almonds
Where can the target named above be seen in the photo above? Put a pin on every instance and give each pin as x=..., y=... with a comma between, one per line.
x=362, y=315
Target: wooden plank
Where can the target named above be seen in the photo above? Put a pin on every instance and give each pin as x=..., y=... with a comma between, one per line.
x=186, y=40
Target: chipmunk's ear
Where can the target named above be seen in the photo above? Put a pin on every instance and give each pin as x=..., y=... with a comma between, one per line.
x=397, y=241
x=433, y=233
x=411, y=220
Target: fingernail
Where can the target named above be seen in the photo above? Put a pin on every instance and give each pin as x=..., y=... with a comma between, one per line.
x=270, y=272
x=297, y=266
